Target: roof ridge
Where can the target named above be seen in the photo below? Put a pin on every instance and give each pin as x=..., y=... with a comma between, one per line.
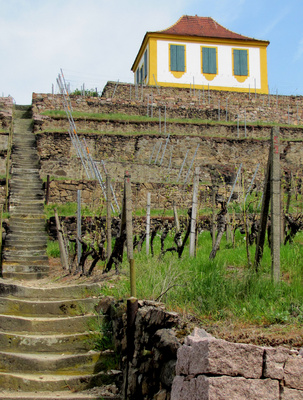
x=171, y=26
x=193, y=25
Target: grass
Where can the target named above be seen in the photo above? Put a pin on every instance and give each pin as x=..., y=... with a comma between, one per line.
x=222, y=289
x=143, y=118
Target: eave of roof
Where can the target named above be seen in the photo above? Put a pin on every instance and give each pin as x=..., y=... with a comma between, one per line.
x=198, y=27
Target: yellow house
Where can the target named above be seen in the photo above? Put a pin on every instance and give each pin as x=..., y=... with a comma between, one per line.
x=198, y=52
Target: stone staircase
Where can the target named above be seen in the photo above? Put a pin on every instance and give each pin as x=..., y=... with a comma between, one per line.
x=45, y=339
x=24, y=254
x=47, y=333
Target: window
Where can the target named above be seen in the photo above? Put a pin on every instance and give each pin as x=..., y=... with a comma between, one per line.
x=240, y=62
x=145, y=64
x=177, y=58
x=209, y=60
x=141, y=74
x=138, y=75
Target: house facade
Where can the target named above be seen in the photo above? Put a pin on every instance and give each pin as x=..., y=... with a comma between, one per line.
x=198, y=52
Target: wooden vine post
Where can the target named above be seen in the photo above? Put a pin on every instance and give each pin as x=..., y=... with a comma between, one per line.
x=79, y=227
x=63, y=254
x=193, y=221
x=275, y=188
x=271, y=196
x=127, y=206
x=108, y=218
x=148, y=223
x=213, y=215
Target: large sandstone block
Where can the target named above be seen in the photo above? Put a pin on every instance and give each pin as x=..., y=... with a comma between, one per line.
x=293, y=372
x=224, y=388
x=292, y=394
x=275, y=359
x=219, y=357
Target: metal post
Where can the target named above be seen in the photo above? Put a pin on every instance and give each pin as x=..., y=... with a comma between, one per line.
x=115, y=88
x=166, y=143
x=158, y=153
x=152, y=153
x=218, y=110
x=235, y=182
x=192, y=162
x=159, y=119
x=252, y=182
x=182, y=165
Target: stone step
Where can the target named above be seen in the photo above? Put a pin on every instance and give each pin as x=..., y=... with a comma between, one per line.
x=45, y=325
x=26, y=240
x=59, y=343
x=27, y=209
x=91, y=362
x=33, y=183
x=23, y=213
x=29, y=276
x=42, y=308
x=26, y=255
x=36, y=223
x=22, y=232
x=47, y=382
x=21, y=268
x=94, y=394
x=51, y=293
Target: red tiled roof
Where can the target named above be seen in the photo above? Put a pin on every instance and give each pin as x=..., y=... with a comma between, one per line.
x=201, y=26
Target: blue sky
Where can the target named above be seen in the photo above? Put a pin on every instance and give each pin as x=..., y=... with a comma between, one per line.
x=94, y=41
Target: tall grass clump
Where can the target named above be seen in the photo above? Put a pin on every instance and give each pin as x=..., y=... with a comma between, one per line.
x=223, y=288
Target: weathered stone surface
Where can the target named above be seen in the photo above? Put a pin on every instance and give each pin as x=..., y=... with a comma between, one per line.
x=196, y=336
x=224, y=388
x=292, y=394
x=293, y=372
x=183, y=389
x=166, y=342
x=275, y=359
x=215, y=356
x=168, y=373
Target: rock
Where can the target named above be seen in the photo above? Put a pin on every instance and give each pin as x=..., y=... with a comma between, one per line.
x=275, y=359
x=223, y=388
x=166, y=342
x=292, y=394
x=219, y=357
x=168, y=373
x=293, y=372
x=196, y=336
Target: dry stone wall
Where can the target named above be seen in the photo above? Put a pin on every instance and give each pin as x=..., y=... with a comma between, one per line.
x=183, y=103
x=121, y=152
x=213, y=369
x=130, y=145
x=166, y=364
x=6, y=113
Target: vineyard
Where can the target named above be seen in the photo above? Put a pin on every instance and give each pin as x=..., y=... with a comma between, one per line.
x=189, y=218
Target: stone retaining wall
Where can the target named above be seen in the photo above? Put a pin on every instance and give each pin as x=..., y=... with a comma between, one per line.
x=165, y=364
x=162, y=195
x=213, y=369
x=183, y=103
x=121, y=152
